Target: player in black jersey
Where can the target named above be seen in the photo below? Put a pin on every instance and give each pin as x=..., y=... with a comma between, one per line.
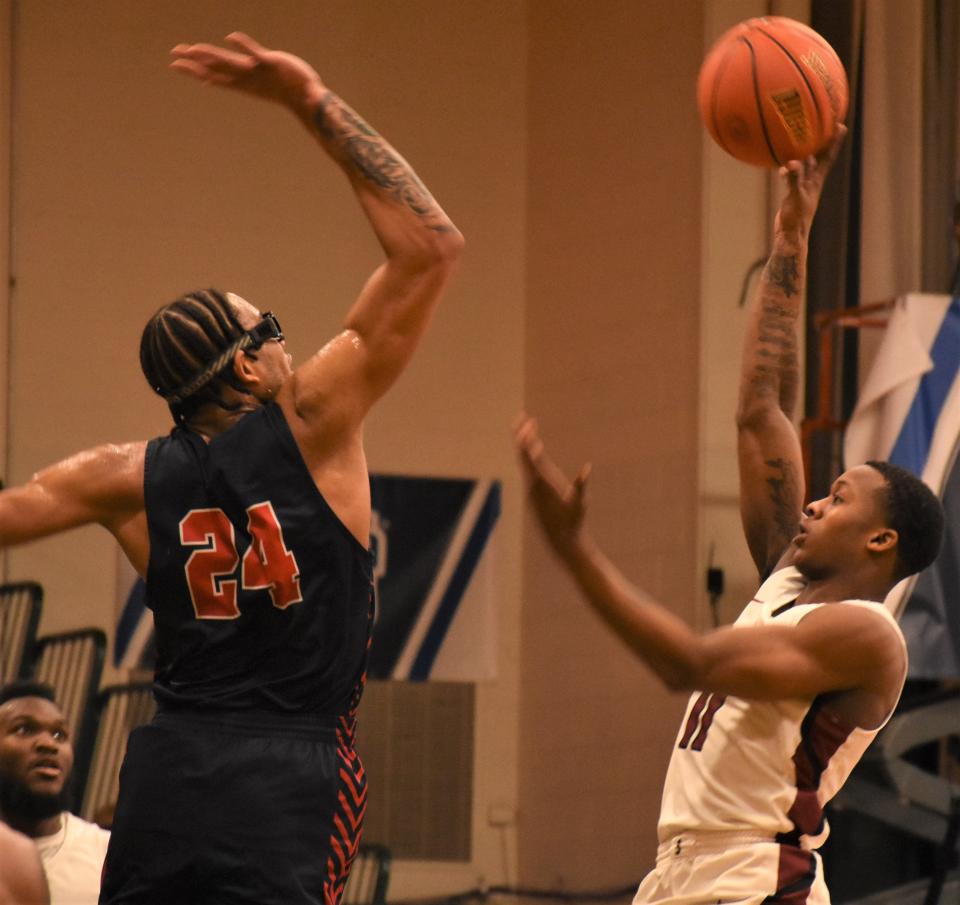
x=250, y=523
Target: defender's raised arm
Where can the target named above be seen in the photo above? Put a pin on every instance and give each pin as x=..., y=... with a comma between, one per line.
x=421, y=244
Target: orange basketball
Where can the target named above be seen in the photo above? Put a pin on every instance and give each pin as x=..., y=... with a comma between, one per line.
x=772, y=90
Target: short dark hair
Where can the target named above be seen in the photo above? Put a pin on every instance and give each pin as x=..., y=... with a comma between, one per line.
x=27, y=688
x=187, y=349
x=915, y=513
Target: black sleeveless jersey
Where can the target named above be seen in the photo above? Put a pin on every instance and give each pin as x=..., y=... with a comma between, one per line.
x=262, y=598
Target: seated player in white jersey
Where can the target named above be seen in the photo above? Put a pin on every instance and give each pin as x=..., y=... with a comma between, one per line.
x=788, y=698
x=36, y=772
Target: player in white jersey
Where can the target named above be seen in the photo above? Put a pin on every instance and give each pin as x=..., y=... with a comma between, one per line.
x=788, y=698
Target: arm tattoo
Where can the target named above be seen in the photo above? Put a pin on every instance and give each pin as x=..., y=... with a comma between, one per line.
x=361, y=147
x=784, y=494
x=784, y=273
x=775, y=366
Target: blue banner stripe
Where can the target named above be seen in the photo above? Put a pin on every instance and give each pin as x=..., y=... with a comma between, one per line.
x=916, y=434
x=133, y=611
x=486, y=520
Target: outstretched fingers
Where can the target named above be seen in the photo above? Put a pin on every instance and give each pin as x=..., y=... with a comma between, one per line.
x=829, y=154
x=247, y=44
x=790, y=174
x=245, y=65
x=529, y=445
x=815, y=167
x=205, y=74
x=210, y=63
x=803, y=181
x=559, y=502
x=537, y=464
x=580, y=485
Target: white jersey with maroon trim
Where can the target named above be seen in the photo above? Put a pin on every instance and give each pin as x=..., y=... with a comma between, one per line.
x=765, y=767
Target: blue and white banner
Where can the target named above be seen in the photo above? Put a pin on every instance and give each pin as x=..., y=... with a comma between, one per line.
x=435, y=578
x=909, y=413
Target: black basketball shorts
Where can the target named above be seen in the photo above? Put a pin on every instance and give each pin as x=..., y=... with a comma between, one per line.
x=231, y=808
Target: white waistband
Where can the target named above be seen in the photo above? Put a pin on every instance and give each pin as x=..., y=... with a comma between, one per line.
x=692, y=843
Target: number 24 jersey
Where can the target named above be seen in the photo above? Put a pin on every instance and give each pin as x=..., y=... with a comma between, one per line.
x=262, y=598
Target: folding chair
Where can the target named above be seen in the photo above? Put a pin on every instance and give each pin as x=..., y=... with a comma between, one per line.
x=120, y=709
x=71, y=663
x=369, y=876
x=20, y=606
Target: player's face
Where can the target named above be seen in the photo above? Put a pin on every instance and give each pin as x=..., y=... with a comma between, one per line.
x=35, y=748
x=274, y=363
x=834, y=531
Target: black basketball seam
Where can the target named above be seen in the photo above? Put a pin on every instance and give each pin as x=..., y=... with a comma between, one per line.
x=759, y=101
x=803, y=75
x=715, y=93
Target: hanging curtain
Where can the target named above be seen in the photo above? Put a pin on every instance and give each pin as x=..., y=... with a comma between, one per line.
x=941, y=33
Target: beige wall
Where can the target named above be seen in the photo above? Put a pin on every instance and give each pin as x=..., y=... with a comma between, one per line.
x=612, y=373
x=6, y=47
x=562, y=137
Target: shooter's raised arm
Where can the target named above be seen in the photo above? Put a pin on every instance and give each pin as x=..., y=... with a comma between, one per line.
x=771, y=467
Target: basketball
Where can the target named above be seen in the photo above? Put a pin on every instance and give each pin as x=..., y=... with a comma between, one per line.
x=771, y=90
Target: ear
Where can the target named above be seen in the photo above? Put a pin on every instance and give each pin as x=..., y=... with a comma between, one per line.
x=883, y=541
x=244, y=368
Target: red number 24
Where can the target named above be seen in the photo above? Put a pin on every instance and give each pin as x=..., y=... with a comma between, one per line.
x=211, y=568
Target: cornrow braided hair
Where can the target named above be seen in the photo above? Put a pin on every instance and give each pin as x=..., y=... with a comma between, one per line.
x=186, y=351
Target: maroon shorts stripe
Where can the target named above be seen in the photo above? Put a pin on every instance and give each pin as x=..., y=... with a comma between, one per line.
x=795, y=875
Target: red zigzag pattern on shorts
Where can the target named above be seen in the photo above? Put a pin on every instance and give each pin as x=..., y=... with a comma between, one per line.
x=352, y=791
x=348, y=815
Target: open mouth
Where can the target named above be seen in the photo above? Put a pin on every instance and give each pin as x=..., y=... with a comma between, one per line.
x=47, y=769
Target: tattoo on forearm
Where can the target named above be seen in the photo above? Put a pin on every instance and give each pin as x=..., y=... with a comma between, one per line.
x=364, y=149
x=784, y=495
x=775, y=364
x=784, y=273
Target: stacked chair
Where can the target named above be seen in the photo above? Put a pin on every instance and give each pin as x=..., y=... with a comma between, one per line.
x=119, y=710
x=20, y=607
x=369, y=876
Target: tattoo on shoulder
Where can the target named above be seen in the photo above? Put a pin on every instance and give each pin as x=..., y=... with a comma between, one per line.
x=784, y=485
x=784, y=273
x=374, y=159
